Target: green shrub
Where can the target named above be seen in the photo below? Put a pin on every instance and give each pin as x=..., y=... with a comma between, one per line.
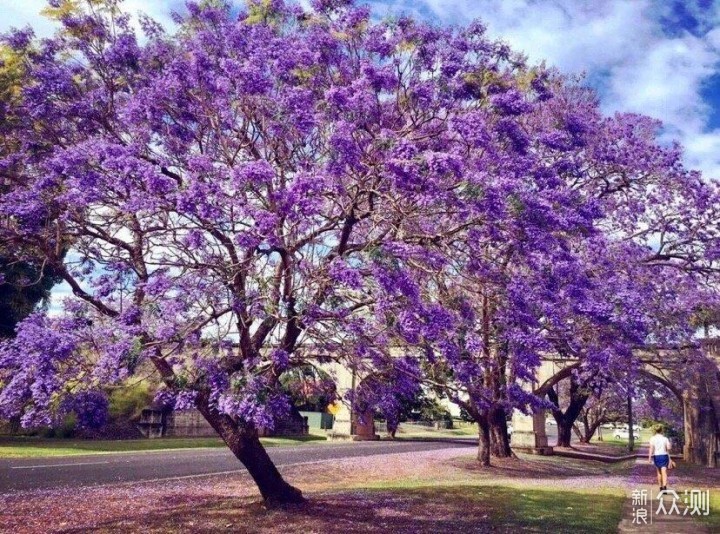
x=65, y=429
x=127, y=402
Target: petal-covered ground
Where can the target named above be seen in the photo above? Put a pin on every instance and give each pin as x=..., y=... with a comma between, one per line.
x=442, y=490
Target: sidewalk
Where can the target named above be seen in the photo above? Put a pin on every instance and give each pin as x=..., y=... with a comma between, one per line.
x=656, y=523
x=599, y=457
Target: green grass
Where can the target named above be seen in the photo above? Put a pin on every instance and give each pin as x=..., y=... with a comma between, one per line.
x=413, y=431
x=527, y=510
x=515, y=507
x=712, y=521
x=30, y=447
x=608, y=439
x=557, y=511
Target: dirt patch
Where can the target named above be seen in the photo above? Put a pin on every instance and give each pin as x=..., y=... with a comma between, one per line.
x=356, y=511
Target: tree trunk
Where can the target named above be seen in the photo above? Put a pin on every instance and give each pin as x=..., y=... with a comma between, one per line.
x=483, y=441
x=565, y=420
x=392, y=427
x=580, y=436
x=564, y=432
x=499, y=442
x=631, y=433
x=246, y=446
x=590, y=431
x=588, y=428
x=15, y=425
x=700, y=426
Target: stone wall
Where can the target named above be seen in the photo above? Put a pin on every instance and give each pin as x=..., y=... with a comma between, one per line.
x=158, y=423
x=189, y=424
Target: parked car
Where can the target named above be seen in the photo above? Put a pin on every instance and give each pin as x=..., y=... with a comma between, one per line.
x=610, y=426
x=551, y=422
x=624, y=426
x=624, y=433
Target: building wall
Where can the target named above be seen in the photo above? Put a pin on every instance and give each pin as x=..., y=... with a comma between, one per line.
x=188, y=423
x=321, y=420
x=191, y=424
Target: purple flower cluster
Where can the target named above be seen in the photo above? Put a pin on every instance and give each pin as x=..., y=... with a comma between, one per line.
x=89, y=407
x=272, y=189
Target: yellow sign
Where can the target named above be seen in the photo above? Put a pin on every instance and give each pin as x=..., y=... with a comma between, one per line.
x=334, y=408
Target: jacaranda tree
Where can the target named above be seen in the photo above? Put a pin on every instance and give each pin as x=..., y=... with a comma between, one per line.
x=596, y=242
x=266, y=190
x=231, y=198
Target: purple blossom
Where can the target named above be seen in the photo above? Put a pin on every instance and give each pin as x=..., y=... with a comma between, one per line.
x=227, y=197
x=90, y=408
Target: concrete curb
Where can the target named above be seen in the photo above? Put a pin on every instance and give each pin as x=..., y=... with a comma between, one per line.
x=581, y=455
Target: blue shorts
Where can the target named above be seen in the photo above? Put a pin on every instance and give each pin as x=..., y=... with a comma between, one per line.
x=661, y=460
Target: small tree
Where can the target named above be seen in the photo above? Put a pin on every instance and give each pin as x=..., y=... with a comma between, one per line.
x=609, y=405
x=309, y=388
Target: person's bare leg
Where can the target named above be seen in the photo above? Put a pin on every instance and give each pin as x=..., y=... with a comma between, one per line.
x=659, y=476
x=664, y=477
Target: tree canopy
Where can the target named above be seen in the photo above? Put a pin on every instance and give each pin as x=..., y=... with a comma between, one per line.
x=276, y=188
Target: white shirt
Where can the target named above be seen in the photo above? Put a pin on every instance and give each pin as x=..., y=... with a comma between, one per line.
x=661, y=444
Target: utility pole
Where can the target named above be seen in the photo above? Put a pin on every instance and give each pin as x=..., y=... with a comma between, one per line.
x=631, y=432
x=352, y=404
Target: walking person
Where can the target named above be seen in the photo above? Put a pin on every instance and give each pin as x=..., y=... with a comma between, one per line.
x=659, y=454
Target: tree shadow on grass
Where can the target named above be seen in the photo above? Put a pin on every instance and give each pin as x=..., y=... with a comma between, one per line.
x=466, y=509
x=347, y=512
x=687, y=475
x=539, y=467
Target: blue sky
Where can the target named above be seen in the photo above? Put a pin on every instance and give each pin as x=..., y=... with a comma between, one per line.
x=657, y=57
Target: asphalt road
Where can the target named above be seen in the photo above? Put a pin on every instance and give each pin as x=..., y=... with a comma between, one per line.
x=75, y=471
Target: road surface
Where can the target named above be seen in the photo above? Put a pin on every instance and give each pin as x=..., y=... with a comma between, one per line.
x=88, y=470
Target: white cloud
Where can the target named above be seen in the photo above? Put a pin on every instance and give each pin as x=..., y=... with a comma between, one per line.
x=619, y=43
x=575, y=36
x=702, y=151
x=20, y=13
x=665, y=82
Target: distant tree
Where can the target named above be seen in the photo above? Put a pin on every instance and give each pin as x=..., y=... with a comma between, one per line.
x=423, y=407
x=309, y=388
x=609, y=405
x=707, y=317
x=23, y=286
x=25, y=280
x=568, y=397
x=390, y=391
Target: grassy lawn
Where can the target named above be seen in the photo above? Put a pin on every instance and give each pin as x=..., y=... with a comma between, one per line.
x=30, y=447
x=712, y=521
x=558, y=511
x=608, y=439
x=467, y=508
x=468, y=430
x=421, y=492
x=534, y=510
x=688, y=476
